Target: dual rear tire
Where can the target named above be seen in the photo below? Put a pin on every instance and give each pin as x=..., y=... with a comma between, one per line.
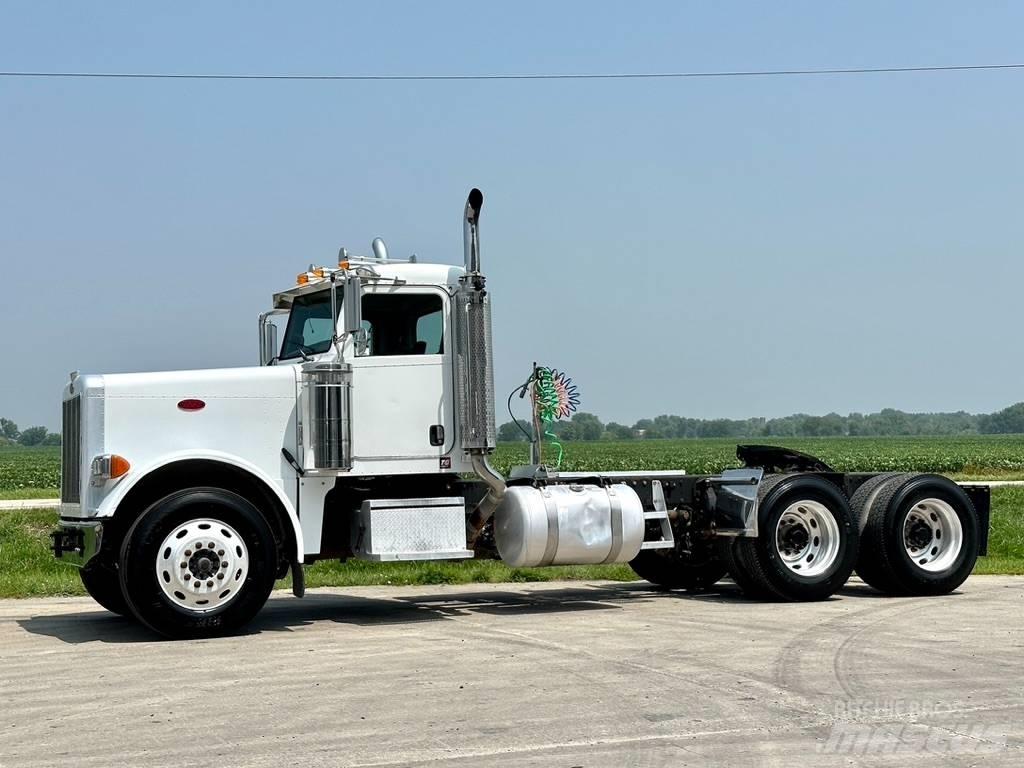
x=672, y=569
x=806, y=549
x=919, y=534
x=904, y=534
x=807, y=542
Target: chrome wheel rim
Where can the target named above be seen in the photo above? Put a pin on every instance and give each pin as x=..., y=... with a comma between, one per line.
x=202, y=564
x=933, y=535
x=807, y=538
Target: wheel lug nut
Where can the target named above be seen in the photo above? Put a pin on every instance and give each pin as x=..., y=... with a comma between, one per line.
x=184, y=564
x=188, y=576
x=188, y=553
x=197, y=585
x=224, y=564
x=220, y=553
x=209, y=583
x=211, y=545
x=220, y=575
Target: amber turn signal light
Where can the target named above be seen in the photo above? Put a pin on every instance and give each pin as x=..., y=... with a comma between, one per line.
x=109, y=466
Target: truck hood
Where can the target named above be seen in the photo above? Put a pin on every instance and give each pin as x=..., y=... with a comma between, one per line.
x=213, y=383
x=245, y=415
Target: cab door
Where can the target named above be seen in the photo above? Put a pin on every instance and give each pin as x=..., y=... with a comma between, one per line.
x=402, y=383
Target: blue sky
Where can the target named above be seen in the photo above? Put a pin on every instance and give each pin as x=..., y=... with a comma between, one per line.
x=702, y=247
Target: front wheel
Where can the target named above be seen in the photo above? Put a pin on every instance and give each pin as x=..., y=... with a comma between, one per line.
x=199, y=562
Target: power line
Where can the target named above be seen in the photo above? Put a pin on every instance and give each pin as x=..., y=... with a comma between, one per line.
x=548, y=76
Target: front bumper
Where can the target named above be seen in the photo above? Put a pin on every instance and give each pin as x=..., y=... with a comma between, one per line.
x=77, y=542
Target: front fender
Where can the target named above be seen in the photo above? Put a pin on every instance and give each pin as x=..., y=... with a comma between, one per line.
x=117, y=494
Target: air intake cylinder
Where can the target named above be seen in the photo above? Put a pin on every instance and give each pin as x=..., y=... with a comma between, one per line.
x=328, y=389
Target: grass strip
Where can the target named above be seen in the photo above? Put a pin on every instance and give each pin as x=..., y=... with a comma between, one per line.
x=28, y=568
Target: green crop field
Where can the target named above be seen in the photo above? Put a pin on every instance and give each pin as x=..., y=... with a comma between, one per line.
x=976, y=455
x=25, y=470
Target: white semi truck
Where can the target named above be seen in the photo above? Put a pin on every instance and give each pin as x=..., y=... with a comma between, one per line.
x=365, y=433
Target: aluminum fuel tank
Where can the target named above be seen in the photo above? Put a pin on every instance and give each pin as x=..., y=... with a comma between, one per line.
x=569, y=525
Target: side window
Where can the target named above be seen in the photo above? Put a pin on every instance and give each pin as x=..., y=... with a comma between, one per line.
x=430, y=332
x=403, y=323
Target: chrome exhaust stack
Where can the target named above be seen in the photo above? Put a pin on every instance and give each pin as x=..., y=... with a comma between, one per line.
x=473, y=360
x=475, y=370
x=471, y=231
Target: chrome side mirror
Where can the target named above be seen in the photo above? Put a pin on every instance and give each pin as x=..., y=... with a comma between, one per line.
x=269, y=348
x=352, y=311
x=352, y=304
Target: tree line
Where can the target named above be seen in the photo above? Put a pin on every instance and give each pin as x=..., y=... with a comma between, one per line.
x=886, y=423
x=11, y=435
x=586, y=426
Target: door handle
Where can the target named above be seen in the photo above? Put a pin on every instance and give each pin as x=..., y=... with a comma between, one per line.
x=437, y=435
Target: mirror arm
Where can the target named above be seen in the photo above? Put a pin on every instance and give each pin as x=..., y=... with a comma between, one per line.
x=337, y=340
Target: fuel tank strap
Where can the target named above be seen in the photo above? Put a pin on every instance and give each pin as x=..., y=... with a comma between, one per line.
x=616, y=520
x=551, y=548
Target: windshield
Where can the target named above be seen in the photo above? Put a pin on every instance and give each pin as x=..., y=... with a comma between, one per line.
x=310, y=327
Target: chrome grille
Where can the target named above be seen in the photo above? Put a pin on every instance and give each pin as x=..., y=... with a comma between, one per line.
x=71, y=451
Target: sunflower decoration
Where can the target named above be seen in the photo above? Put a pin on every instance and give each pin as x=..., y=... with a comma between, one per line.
x=555, y=397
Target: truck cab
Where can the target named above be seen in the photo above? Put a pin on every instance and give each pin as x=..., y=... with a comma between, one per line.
x=401, y=361
x=349, y=439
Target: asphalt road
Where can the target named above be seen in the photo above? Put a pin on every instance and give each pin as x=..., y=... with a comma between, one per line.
x=562, y=674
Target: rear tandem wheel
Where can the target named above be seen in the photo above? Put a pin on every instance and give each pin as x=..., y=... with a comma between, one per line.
x=919, y=534
x=672, y=569
x=807, y=540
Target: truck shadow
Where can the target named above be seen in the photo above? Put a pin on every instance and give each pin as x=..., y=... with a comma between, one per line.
x=286, y=614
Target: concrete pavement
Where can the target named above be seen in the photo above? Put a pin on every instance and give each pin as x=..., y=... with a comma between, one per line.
x=555, y=674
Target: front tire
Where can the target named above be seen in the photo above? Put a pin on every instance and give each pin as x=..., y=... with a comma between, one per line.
x=198, y=563
x=806, y=546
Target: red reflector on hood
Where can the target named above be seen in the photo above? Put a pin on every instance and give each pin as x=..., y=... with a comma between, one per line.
x=191, y=404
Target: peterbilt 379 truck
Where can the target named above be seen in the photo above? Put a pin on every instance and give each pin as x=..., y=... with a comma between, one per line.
x=365, y=433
